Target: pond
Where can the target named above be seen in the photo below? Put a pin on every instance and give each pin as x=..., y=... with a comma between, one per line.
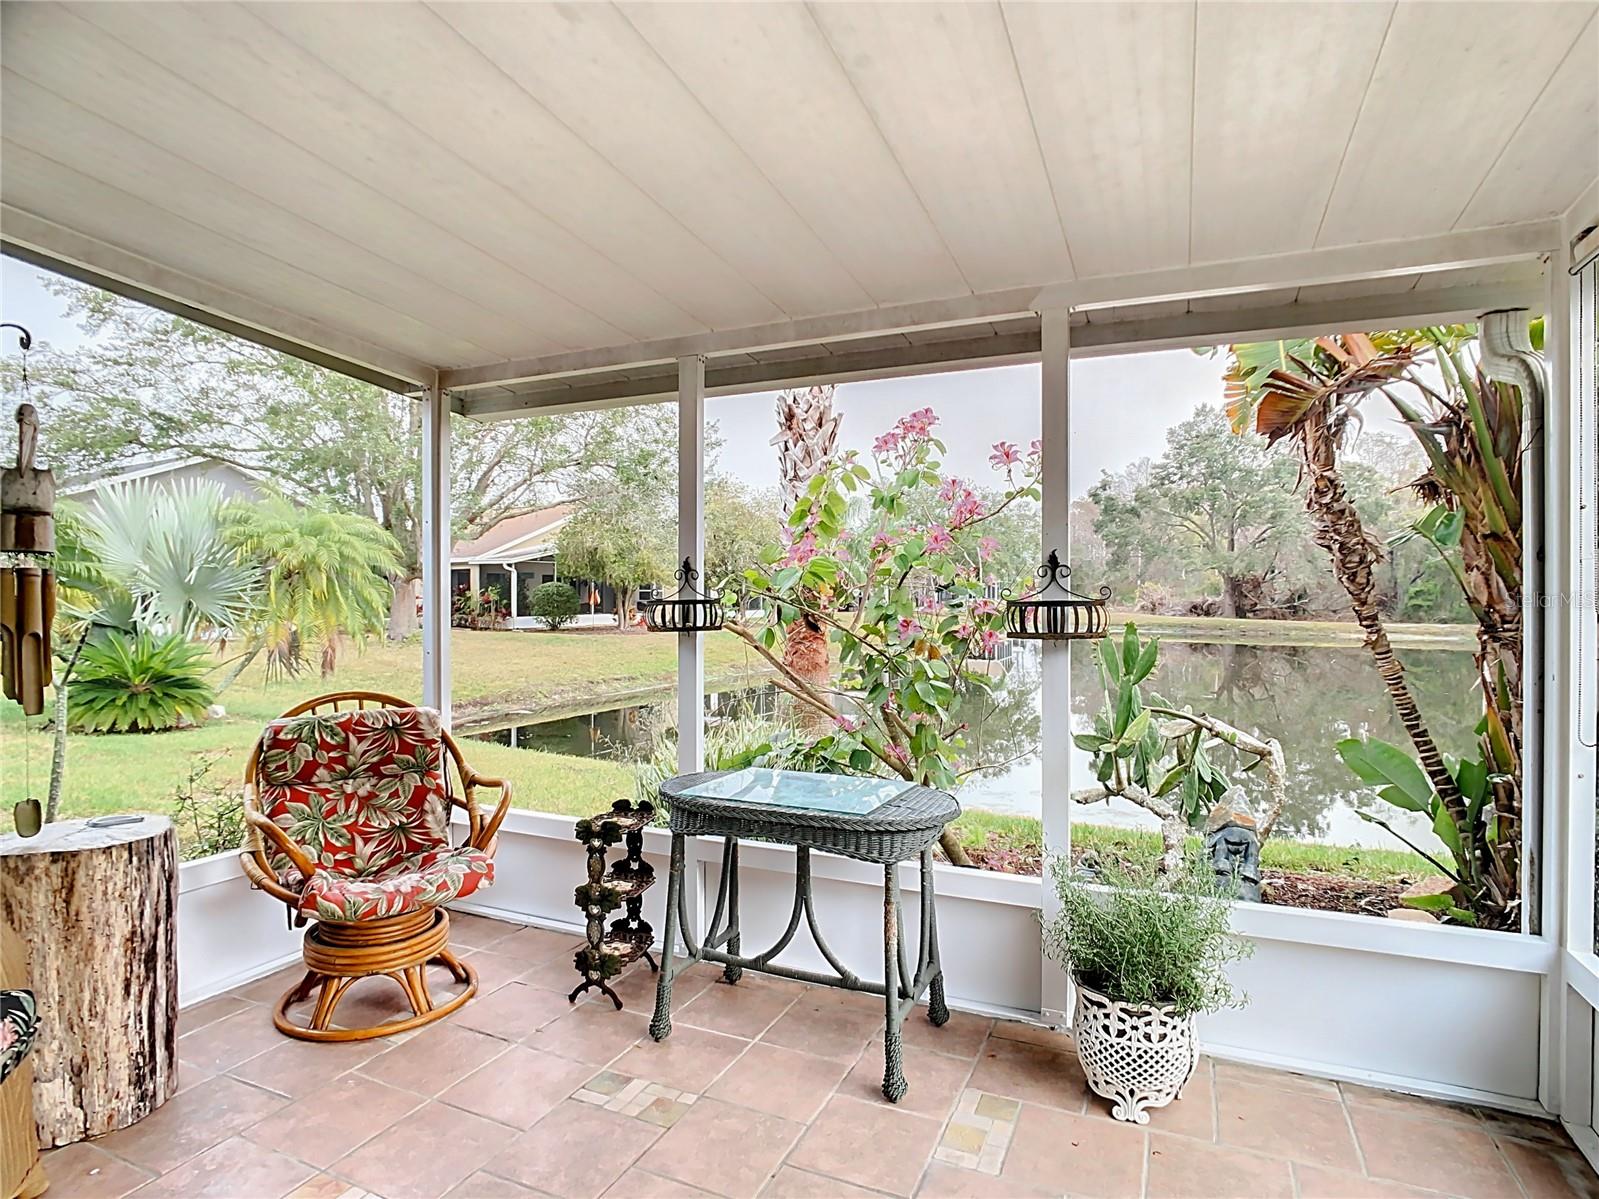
x=1306, y=697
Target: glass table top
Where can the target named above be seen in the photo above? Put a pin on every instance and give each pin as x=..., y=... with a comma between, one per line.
x=800, y=789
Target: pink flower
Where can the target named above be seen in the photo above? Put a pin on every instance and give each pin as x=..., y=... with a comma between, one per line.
x=895, y=751
x=918, y=424
x=967, y=510
x=887, y=443
x=988, y=640
x=847, y=724
x=908, y=628
x=986, y=548
x=1004, y=454
x=985, y=607
x=964, y=630
x=952, y=489
x=1036, y=449
x=939, y=541
x=802, y=551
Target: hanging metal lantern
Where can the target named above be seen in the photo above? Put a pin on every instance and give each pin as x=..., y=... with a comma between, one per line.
x=27, y=561
x=1052, y=611
x=686, y=610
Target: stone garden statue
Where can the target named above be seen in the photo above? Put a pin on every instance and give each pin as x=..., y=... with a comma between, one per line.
x=1232, y=843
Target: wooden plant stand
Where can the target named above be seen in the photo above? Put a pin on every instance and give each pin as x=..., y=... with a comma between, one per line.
x=96, y=909
x=607, y=954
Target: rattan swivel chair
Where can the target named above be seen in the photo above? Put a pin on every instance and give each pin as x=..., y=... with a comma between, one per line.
x=348, y=800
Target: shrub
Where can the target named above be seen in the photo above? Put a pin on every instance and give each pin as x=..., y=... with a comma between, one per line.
x=1143, y=944
x=141, y=682
x=554, y=604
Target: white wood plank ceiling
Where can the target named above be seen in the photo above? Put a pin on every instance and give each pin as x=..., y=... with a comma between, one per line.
x=461, y=185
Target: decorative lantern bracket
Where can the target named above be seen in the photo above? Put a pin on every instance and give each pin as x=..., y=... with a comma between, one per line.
x=686, y=610
x=1052, y=611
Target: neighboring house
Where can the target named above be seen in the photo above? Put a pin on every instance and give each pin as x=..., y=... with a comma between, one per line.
x=517, y=555
x=232, y=480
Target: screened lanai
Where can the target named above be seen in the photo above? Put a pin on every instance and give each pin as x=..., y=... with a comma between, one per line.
x=504, y=210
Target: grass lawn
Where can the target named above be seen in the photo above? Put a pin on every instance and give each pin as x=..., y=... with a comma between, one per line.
x=534, y=672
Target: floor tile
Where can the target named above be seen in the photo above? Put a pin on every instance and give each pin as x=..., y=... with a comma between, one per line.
x=325, y=1125
x=944, y=1181
x=638, y=1184
x=224, y=1043
x=1300, y=1126
x=270, y=988
x=478, y=932
x=519, y=1087
x=191, y=1122
x=821, y=1027
x=962, y=1036
x=229, y=1170
x=780, y=1082
x=88, y=1172
x=1180, y=1168
x=1281, y=1079
x=690, y=1059
x=590, y=1033
x=368, y=1002
x=513, y=1012
x=1407, y=1105
x=328, y=1186
x=1035, y=1073
x=1451, y=1157
x=1548, y=1172
x=933, y=1080
x=1524, y=1128
x=743, y=1010
x=486, y=1186
x=575, y=1152
x=637, y=987
x=539, y=945
x=1194, y=1115
x=435, y=1058
x=1086, y=1156
x=1034, y=1034
x=867, y=1144
x=789, y=1183
x=296, y=1068
x=494, y=970
x=196, y=1017
x=425, y=1154
x=729, y=1150
x=1317, y=1182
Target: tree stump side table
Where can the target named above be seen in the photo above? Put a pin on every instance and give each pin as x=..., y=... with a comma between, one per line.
x=96, y=908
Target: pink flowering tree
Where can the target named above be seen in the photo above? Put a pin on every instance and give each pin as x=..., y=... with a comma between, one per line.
x=888, y=553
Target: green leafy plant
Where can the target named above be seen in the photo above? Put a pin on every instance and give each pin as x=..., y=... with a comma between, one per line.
x=1143, y=943
x=141, y=682
x=209, y=820
x=554, y=605
x=1162, y=759
x=1401, y=782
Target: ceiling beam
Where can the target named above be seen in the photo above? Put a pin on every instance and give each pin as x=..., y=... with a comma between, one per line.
x=53, y=247
x=1382, y=310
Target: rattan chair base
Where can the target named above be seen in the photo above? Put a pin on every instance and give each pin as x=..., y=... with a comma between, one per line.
x=398, y=947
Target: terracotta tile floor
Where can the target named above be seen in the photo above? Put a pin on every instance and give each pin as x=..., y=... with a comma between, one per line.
x=764, y=1089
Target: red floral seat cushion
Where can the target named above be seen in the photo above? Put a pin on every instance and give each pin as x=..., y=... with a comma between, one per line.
x=360, y=792
x=421, y=880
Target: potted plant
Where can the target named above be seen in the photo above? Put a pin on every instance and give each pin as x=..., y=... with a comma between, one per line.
x=1145, y=960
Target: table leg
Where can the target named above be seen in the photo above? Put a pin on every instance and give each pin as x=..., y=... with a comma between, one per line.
x=732, y=973
x=893, y=1051
x=937, y=1009
x=661, y=1023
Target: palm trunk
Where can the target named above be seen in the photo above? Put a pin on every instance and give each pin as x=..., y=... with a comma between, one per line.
x=1337, y=528
x=240, y=665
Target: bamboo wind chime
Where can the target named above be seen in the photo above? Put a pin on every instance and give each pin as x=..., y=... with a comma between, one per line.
x=27, y=575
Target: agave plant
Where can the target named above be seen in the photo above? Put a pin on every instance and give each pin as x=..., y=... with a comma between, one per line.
x=138, y=683
x=1470, y=429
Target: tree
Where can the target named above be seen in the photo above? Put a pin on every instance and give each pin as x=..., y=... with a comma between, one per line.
x=1213, y=502
x=622, y=538
x=150, y=384
x=554, y=604
x=807, y=435
x=1470, y=429
x=324, y=574
x=739, y=523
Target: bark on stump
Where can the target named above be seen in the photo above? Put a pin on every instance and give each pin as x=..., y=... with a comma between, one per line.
x=96, y=907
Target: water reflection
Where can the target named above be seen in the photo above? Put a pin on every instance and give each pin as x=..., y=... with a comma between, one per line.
x=1306, y=697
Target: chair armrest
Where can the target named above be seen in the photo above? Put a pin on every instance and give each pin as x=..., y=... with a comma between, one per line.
x=486, y=834
x=280, y=840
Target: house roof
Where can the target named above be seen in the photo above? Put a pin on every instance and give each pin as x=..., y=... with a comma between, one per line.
x=514, y=539
x=146, y=468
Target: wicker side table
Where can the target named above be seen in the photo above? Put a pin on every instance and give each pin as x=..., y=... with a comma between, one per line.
x=905, y=827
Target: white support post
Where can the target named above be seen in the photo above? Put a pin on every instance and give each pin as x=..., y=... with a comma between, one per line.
x=691, y=545
x=1057, y=664
x=436, y=541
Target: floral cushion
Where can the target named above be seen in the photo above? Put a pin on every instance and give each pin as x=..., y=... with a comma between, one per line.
x=19, y=1018
x=358, y=791
x=422, y=880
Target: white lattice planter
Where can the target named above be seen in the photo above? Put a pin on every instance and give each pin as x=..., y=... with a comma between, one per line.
x=1137, y=1057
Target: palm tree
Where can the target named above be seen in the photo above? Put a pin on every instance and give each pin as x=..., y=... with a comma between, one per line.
x=807, y=434
x=323, y=574
x=1471, y=433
